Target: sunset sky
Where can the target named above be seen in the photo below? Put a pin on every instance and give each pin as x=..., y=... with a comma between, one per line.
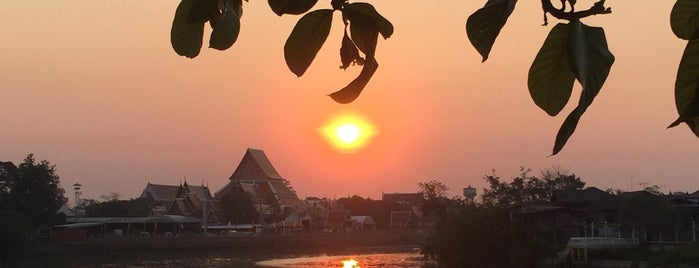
x=95, y=88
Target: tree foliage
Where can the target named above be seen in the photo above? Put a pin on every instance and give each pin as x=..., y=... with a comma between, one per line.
x=13, y=230
x=573, y=51
x=432, y=189
x=471, y=235
x=648, y=211
x=527, y=188
x=113, y=207
x=31, y=189
x=379, y=210
x=435, y=201
x=482, y=234
x=238, y=208
x=477, y=235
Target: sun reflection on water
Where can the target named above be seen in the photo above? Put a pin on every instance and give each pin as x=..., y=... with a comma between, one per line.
x=351, y=263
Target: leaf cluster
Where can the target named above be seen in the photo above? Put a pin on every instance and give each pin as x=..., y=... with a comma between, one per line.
x=572, y=51
x=304, y=42
x=190, y=17
x=364, y=24
x=684, y=21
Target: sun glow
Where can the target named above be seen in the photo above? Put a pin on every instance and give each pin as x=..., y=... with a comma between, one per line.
x=348, y=132
x=350, y=264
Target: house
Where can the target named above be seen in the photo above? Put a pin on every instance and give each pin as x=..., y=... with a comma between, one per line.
x=269, y=191
x=65, y=210
x=364, y=223
x=579, y=198
x=400, y=220
x=547, y=220
x=337, y=221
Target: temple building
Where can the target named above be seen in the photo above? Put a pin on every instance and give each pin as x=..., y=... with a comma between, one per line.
x=186, y=200
x=269, y=192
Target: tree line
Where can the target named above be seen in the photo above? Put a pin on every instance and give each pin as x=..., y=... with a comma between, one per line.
x=30, y=195
x=485, y=234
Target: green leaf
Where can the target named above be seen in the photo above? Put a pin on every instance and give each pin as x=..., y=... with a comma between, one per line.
x=364, y=31
x=385, y=27
x=294, y=7
x=567, y=129
x=187, y=29
x=225, y=28
x=349, y=54
x=684, y=19
x=687, y=86
x=590, y=61
x=352, y=91
x=483, y=26
x=306, y=39
x=365, y=26
x=550, y=78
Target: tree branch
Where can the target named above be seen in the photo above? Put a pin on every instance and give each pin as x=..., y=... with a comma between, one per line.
x=596, y=9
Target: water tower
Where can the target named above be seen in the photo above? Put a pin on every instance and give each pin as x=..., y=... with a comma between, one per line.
x=469, y=193
x=76, y=187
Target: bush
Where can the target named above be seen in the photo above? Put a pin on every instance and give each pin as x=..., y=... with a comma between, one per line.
x=13, y=233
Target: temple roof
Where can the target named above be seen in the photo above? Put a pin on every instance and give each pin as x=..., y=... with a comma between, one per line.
x=255, y=166
x=167, y=193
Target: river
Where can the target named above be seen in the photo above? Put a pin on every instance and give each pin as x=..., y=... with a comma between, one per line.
x=398, y=257
x=409, y=258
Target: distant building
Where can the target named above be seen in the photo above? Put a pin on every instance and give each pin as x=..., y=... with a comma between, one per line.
x=364, y=223
x=412, y=215
x=266, y=188
x=400, y=220
x=66, y=211
x=164, y=194
x=579, y=198
x=186, y=200
x=337, y=220
x=194, y=203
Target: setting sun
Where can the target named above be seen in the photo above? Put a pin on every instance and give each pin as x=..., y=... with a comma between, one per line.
x=348, y=132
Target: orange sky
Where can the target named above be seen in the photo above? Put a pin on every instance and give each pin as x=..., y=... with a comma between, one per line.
x=95, y=88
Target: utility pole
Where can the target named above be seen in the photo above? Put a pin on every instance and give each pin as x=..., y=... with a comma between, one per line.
x=205, y=219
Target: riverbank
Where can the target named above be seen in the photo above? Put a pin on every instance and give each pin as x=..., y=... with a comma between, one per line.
x=207, y=251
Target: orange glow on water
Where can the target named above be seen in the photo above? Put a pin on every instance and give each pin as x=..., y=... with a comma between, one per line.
x=351, y=263
x=348, y=132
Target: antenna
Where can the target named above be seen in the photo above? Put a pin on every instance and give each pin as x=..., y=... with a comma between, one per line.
x=630, y=184
x=643, y=185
